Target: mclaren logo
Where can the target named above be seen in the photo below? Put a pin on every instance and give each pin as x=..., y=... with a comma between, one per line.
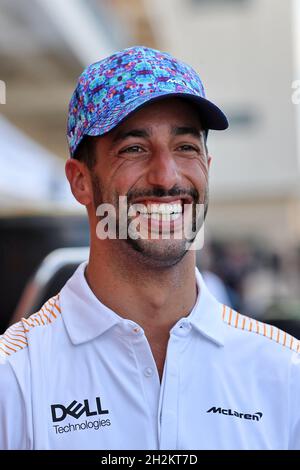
x=229, y=412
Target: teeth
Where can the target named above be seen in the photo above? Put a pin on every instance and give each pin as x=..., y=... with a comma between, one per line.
x=175, y=216
x=157, y=209
x=165, y=208
x=143, y=209
x=163, y=217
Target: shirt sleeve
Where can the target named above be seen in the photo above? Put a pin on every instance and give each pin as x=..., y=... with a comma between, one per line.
x=13, y=428
x=294, y=409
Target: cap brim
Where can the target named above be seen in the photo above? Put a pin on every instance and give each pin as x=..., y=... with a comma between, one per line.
x=210, y=115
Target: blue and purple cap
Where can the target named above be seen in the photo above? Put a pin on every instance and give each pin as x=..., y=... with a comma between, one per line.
x=108, y=91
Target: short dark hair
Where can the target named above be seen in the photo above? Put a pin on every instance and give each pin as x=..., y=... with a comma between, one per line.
x=205, y=132
x=86, y=153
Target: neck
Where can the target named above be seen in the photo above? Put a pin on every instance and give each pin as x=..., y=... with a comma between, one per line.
x=153, y=297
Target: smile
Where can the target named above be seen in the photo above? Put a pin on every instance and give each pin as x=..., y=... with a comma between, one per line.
x=161, y=211
x=164, y=211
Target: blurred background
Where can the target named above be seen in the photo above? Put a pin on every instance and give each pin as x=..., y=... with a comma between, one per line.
x=248, y=54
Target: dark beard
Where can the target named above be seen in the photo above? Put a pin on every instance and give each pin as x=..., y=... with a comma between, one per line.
x=171, y=255
x=97, y=193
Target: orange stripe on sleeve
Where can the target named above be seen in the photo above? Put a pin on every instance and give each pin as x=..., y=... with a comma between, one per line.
x=16, y=339
x=53, y=314
x=57, y=307
x=4, y=351
x=243, y=324
x=284, y=341
x=10, y=342
x=50, y=311
x=45, y=315
x=230, y=317
x=35, y=321
x=11, y=332
x=224, y=311
x=278, y=335
x=18, y=330
x=41, y=318
x=27, y=322
x=236, y=320
x=6, y=346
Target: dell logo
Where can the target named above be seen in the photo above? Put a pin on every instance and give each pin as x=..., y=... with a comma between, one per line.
x=76, y=409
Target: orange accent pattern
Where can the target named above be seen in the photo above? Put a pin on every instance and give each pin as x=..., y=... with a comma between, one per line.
x=243, y=322
x=14, y=339
x=284, y=341
x=278, y=335
x=230, y=317
x=224, y=311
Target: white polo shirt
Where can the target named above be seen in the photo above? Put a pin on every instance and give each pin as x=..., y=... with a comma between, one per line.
x=77, y=376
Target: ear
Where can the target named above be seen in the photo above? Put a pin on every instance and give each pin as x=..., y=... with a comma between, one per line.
x=80, y=181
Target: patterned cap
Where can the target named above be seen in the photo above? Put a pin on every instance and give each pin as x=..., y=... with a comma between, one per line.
x=109, y=90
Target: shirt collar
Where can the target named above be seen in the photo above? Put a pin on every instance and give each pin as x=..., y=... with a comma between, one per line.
x=86, y=317
x=206, y=316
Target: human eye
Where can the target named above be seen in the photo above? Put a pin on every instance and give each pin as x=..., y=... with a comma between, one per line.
x=188, y=149
x=132, y=149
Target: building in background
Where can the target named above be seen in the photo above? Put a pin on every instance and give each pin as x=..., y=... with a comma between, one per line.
x=247, y=53
x=44, y=46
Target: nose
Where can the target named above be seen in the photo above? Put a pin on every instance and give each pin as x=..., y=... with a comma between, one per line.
x=162, y=169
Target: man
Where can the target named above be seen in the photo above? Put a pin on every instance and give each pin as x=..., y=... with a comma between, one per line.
x=134, y=352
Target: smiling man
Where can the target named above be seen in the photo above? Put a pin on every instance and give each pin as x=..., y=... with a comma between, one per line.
x=134, y=352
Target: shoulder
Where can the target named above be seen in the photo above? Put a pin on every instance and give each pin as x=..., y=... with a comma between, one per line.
x=17, y=337
x=258, y=332
x=21, y=347
x=15, y=406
